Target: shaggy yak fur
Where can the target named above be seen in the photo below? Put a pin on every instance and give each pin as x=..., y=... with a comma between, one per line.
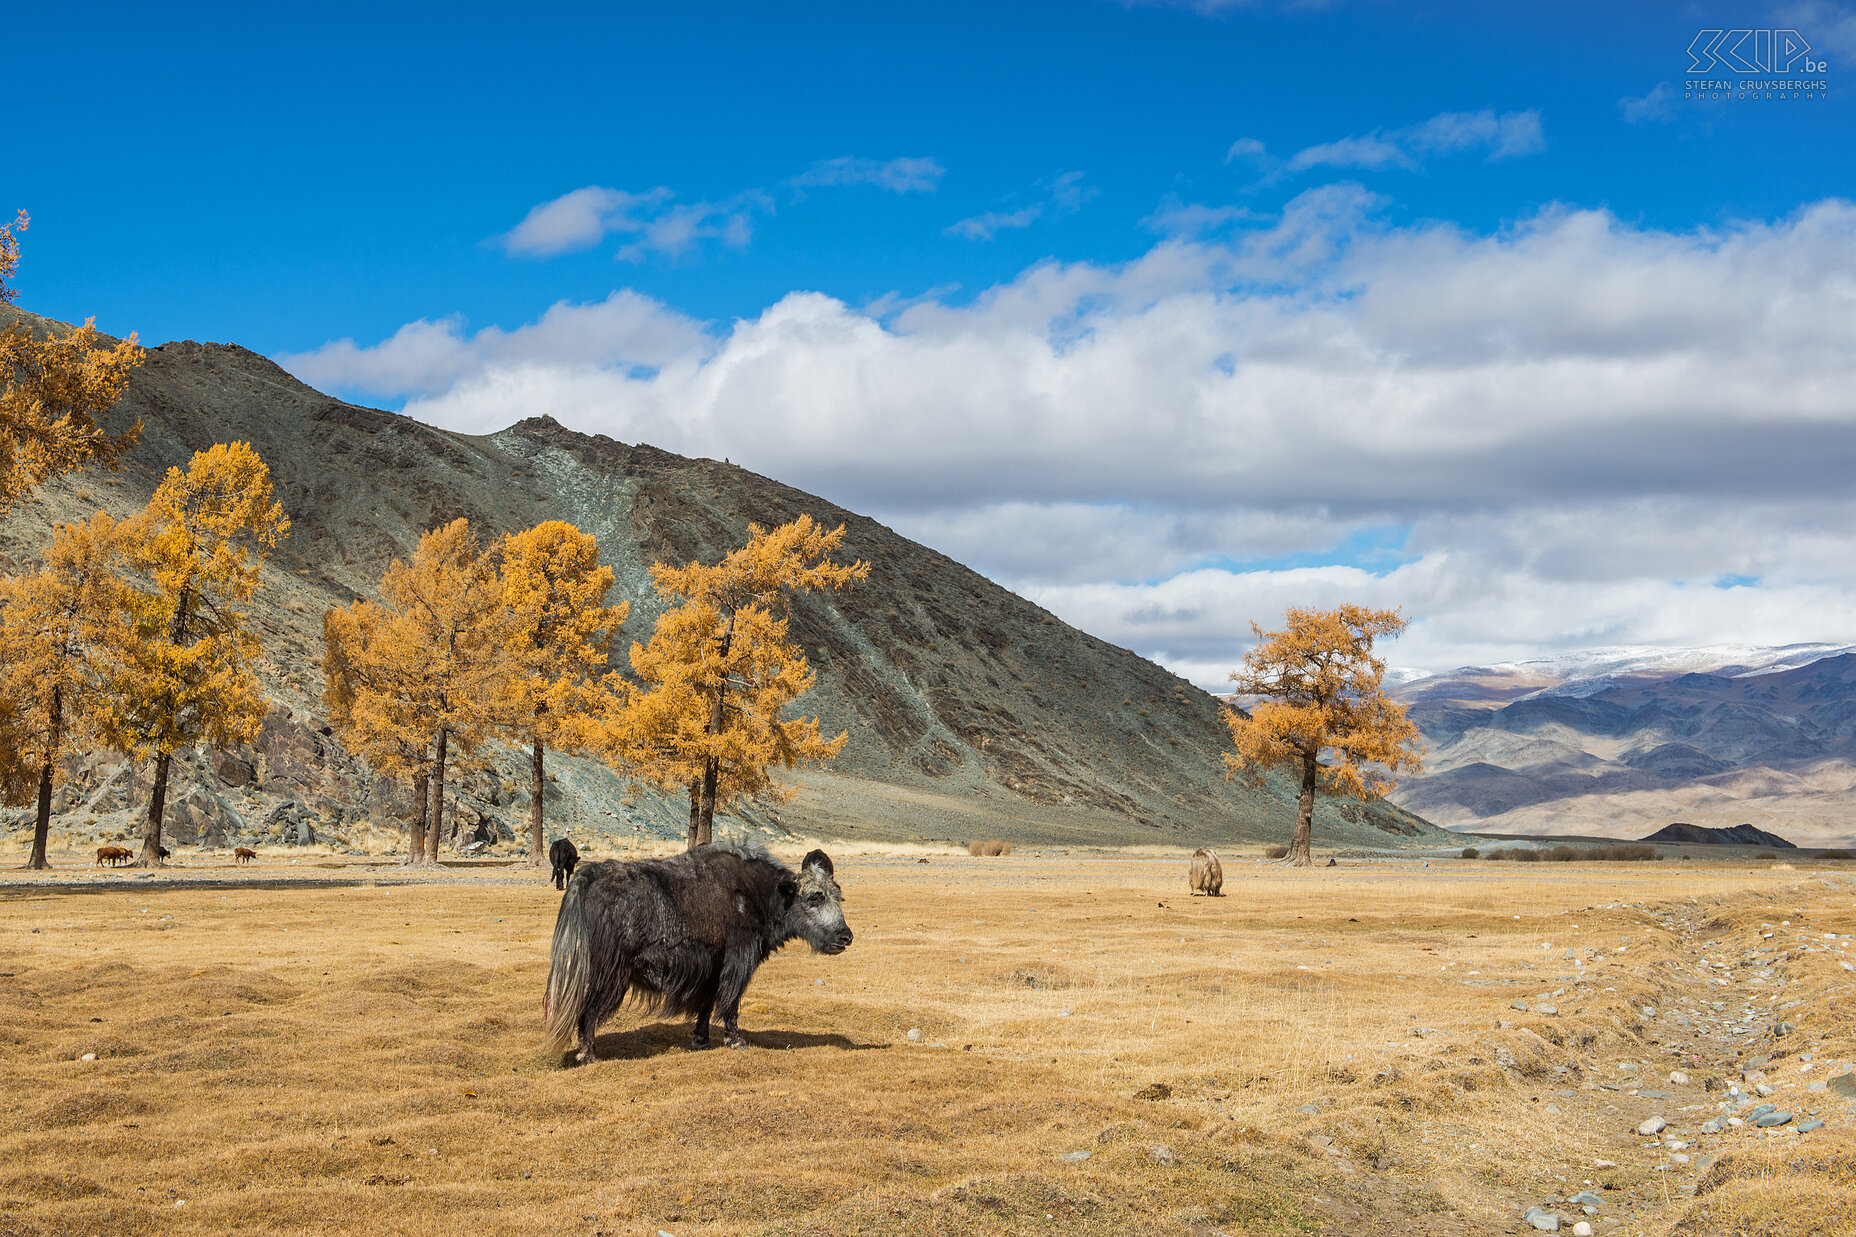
x=1207, y=873
x=683, y=934
x=563, y=856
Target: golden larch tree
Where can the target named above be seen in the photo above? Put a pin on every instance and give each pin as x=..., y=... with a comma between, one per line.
x=557, y=641
x=59, y=628
x=184, y=677
x=52, y=392
x=1315, y=688
x=448, y=634
x=720, y=670
x=375, y=695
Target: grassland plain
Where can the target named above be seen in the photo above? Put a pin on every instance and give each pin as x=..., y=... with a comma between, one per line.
x=344, y=1048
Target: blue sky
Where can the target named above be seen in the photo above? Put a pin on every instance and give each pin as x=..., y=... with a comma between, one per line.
x=1114, y=199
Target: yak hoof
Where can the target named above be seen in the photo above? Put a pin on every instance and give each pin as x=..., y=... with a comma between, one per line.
x=699, y=1042
x=736, y=1040
x=586, y=1056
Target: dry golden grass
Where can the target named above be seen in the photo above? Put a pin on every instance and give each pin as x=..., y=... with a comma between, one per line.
x=277, y=1055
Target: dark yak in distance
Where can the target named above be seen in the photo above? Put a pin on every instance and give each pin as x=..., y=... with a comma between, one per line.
x=563, y=855
x=684, y=934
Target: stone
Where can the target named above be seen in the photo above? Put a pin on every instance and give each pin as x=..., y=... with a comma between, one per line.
x=1678, y=1078
x=88, y=1056
x=1844, y=1085
x=1764, y=1089
x=231, y=769
x=1076, y=1157
x=1551, y=1011
x=1541, y=1219
x=1654, y=1126
x=1587, y=1198
x=1647, y=1094
x=1714, y=1125
x=1313, y=1110
x=1582, y=1229
x=915, y=1035
x=1805, y=1127
x=1162, y=1155
x=1773, y=1119
x=1520, y=1005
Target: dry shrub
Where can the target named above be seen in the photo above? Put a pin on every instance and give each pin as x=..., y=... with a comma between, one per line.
x=1627, y=852
x=992, y=846
x=1836, y=854
x=1470, y=852
x=1276, y=852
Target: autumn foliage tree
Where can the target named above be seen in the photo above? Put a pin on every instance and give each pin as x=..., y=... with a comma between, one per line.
x=375, y=694
x=184, y=677
x=1316, y=688
x=720, y=669
x=59, y=628
x=411, y=679
x=52, y=392
x=556, y=640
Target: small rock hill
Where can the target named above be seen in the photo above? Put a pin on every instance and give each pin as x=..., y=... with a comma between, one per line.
x=971, y=711
x=1702, y=835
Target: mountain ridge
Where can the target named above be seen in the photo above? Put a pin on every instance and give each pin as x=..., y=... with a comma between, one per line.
x=965, y=703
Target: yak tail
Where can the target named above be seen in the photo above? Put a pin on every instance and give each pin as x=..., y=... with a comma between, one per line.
x=570, y=969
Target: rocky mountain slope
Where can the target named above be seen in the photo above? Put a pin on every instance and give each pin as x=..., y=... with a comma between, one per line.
x=1623, y=743
x=971, y=711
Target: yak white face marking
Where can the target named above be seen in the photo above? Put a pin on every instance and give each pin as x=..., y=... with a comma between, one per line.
x=817, y=914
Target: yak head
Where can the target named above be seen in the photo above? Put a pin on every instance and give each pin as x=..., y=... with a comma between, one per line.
x=815, y=906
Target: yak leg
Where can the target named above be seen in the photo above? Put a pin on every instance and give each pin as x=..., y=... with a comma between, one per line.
x=737, y=970
x=596, y=1012
x=699, y=1038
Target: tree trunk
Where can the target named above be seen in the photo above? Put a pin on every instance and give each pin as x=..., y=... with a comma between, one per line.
x=711, y=770
x=1304, y=814
x=42, y=823
x=158, y=797
x=536, y=785
x=695, y=813
x=157, y=805
x=705, y=825
x=422, y=793
x=438, y=798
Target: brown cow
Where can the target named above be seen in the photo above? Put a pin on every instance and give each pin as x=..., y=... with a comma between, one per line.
x=243, y=854
x=113, y=855
x=1207, y=873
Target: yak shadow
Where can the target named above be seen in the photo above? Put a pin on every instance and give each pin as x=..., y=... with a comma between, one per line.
x=656, y=1039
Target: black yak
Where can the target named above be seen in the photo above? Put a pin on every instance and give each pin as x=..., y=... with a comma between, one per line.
x=563, y=856
x=1207, y=875
x=684, y=934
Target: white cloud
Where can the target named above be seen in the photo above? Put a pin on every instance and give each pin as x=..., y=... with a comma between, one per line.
x=1653, y=108
x=1828, y=27
x=1064, y=194
x=1576, y=428
x=907, y=175
x=627, y=333
x=1505, y=135
x=658, y=226
x=580, y=220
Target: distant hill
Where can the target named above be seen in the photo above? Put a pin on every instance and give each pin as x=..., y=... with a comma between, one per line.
x=1701, y=835
x=1617, y=742
x=971, y=711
